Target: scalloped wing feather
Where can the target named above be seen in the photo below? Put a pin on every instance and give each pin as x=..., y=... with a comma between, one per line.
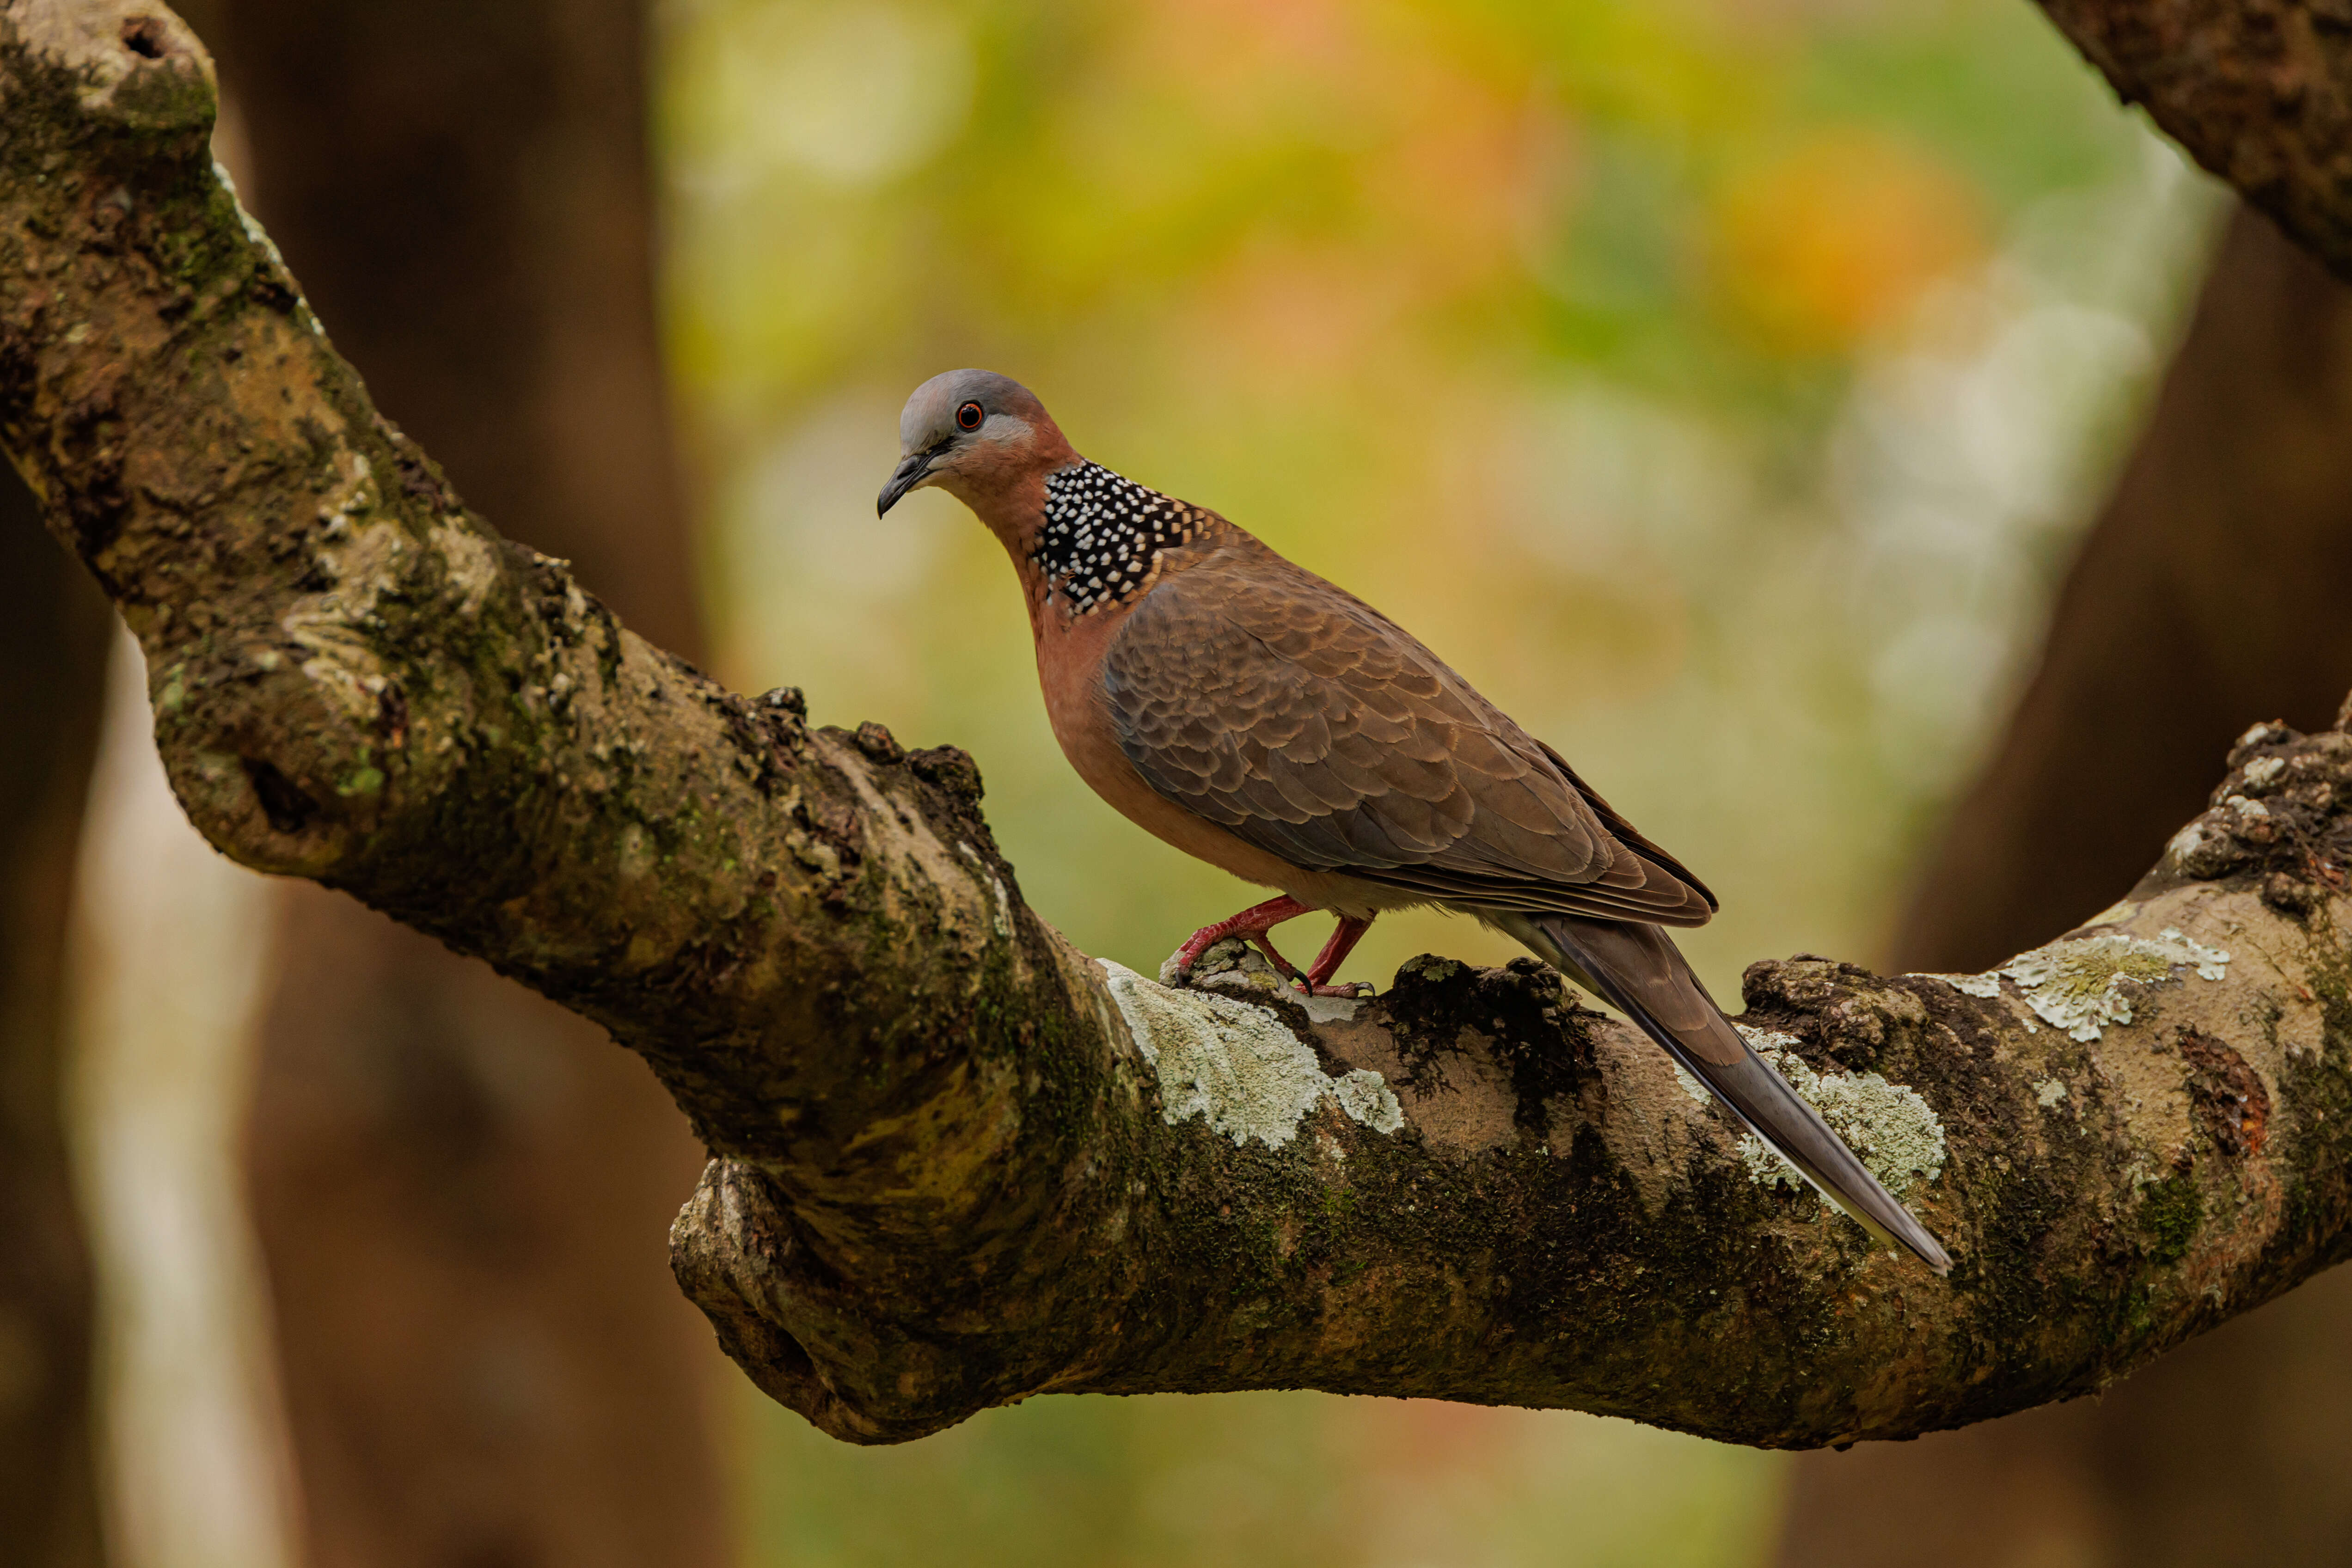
x=1261, y=697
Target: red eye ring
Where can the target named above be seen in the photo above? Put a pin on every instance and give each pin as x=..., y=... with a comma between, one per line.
x=970, y=416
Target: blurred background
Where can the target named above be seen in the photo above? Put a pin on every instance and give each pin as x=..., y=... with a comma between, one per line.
x=1873, y=456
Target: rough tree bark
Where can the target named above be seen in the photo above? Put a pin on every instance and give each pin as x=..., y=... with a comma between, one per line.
x=2259, y=92
x=958, y=1162
x=52, y=658
x=460, y=1186
x=2213, y=584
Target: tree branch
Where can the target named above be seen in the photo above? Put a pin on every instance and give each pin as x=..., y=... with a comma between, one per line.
x=2258, y=91
x=958, y=1162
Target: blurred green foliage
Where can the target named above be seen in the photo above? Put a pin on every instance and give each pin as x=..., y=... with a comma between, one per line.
x=1270, y=1481
x=1716, y=383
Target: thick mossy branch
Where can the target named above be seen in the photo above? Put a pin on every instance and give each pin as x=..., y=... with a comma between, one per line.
x=958, y=1162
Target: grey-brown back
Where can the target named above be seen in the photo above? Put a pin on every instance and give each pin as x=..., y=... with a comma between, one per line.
x=1264, y=698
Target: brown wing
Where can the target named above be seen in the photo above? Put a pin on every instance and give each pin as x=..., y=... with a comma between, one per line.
x=1267, y=700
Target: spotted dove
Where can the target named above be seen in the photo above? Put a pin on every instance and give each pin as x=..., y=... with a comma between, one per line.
x=1257, y=717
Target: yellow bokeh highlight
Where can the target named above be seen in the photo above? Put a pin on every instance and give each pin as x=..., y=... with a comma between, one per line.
x=1825, y=244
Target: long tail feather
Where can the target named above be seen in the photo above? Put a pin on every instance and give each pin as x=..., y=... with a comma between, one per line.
x=1637, y=968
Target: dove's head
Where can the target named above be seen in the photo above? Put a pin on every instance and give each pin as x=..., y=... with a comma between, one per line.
x=980, y=437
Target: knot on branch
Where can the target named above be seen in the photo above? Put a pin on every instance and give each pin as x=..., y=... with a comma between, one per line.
x=811, y=1339
x=2231, y=1103
x=1841, y=1014
x=125, y=63
x=1525, y=1012
x=952, y=769
x=2280, y=820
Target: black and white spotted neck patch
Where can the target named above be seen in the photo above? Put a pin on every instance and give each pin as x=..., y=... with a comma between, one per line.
x=1103, y=534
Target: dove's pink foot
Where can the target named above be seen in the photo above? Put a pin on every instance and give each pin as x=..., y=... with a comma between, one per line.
x=1254, y=923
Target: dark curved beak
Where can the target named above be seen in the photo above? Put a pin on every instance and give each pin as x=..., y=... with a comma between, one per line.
x=904, y=478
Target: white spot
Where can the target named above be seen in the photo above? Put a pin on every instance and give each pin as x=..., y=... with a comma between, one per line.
x=1236, y=1065
x=260, y=236
x=2249, y=810
x=1327, y=1009
x=1985, y=985
x=636, y=853
x=1002, y=916
x=2049, y=1092
x=2083, y=986
x=1366, y=1096
x=471, y=563
x=1889, y=1127
x=2263, y=771
x=2212, y=962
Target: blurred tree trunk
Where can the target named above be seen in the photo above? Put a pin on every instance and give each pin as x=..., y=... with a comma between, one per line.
x=462, y=1189
x=2214, y=587
x=53, y=627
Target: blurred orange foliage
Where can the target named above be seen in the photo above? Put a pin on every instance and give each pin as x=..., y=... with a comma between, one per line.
x=1822, y=244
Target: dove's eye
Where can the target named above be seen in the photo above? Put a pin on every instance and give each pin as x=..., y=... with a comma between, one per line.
x=969, y=416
